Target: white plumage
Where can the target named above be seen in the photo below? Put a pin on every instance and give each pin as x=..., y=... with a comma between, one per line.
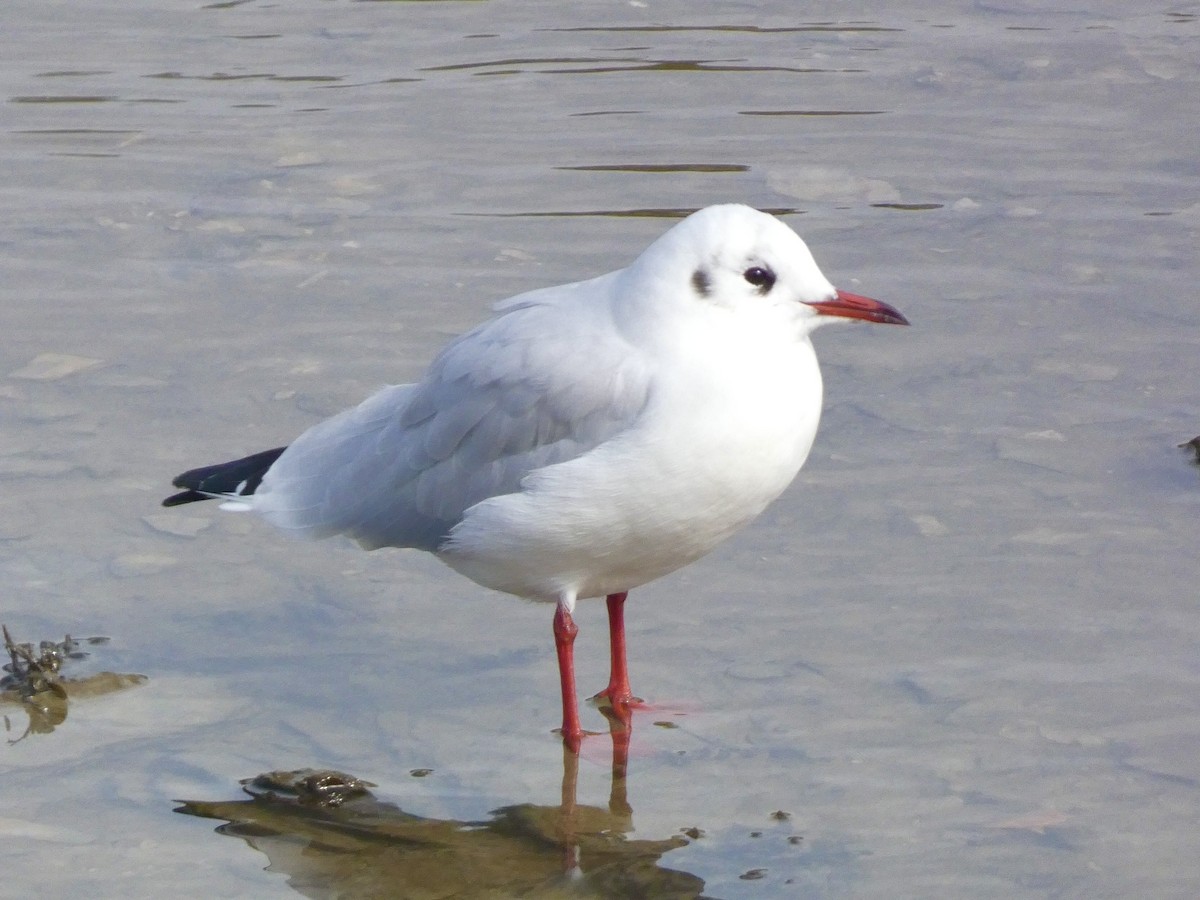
x=593, y=436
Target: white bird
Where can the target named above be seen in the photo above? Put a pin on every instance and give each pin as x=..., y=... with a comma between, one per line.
x=592, y=437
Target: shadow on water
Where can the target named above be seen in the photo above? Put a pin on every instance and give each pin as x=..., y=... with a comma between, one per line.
x=327, y=833
x=631, y=213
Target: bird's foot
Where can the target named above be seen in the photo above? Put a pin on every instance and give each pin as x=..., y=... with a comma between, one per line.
x=573, y=740
x=617, y=698
x=618, y=707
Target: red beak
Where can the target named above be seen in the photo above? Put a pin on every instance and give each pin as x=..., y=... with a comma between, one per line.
x=855, y=306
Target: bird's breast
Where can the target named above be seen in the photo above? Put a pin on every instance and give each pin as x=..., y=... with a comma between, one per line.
x=711, y=450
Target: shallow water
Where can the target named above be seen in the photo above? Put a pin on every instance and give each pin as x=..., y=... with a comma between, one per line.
x=959, y=654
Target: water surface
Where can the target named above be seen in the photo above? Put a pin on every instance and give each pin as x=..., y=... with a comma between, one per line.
x=958, y=656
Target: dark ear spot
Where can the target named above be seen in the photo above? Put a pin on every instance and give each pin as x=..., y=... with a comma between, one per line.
x=701, y=282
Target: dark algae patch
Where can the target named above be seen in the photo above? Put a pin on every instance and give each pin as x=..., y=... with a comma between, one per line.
x=34, y=680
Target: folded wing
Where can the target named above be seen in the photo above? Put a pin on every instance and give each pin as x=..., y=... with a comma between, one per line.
x=529, y=389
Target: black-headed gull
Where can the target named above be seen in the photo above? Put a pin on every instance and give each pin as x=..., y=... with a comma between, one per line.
x=591, y=438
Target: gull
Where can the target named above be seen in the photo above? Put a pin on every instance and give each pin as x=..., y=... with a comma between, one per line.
x=590, y=438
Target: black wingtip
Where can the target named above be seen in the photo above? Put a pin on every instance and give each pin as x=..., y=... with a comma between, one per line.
x=184, y=497
x=241, y=476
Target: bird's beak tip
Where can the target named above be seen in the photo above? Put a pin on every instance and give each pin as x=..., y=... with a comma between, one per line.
x=856, y=306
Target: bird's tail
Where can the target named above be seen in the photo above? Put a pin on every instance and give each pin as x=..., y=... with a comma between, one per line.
x=229, y=480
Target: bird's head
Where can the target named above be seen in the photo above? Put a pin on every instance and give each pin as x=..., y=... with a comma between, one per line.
x=736, y=257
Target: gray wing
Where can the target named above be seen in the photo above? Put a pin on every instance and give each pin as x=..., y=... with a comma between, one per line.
x=541, y=384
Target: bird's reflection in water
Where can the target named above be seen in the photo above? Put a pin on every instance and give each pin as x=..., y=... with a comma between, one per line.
x=331, y=837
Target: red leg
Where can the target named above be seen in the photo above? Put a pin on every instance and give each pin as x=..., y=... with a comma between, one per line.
x=565, y=630
x=618, y=691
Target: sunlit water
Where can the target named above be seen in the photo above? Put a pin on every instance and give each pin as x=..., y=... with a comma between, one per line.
x=960, y=654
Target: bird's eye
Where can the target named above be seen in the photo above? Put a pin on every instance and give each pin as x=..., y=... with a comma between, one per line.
x=762, y=278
